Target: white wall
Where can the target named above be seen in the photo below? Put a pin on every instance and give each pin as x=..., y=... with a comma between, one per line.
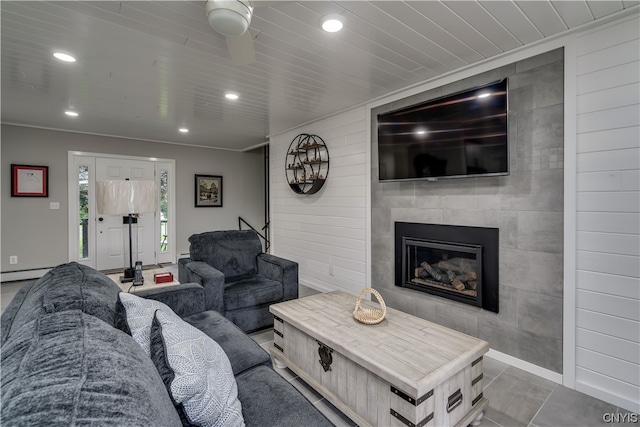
x=38, y=235
x=607, y=340
x=324, y=232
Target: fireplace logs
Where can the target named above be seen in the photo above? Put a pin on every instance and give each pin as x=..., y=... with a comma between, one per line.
x=457, y=284
x=454, y=274
x=436, y=273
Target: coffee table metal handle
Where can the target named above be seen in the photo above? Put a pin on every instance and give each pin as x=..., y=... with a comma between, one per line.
x=325, y=356
x=454, y=400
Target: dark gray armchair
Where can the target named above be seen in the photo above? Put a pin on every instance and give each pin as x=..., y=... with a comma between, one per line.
x=239, y=280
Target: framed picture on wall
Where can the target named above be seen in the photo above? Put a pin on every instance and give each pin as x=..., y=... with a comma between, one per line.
x=29, y=181
x=208, y=191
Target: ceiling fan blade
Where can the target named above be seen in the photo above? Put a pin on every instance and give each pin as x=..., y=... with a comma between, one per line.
x=268, y=3
x=241, y=49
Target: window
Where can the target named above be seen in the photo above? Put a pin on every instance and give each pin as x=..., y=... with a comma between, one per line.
x=164, y=210
x=83, y=211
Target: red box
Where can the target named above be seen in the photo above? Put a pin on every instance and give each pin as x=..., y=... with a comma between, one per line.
x=163, y=277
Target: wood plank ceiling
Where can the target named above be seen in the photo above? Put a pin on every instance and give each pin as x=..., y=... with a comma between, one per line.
x=145, y=68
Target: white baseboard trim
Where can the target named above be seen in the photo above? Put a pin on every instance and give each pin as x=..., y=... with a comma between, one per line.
x=525, y=366
x=317, y=287
x=606, y=396
x=12, y=276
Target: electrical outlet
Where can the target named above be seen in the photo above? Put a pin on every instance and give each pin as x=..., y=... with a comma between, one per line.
x=13, y=259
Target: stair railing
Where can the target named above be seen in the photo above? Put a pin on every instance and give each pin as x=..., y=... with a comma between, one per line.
x=267, y=243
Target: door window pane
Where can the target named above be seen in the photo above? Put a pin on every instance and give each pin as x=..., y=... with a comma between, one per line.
x=83, y=214
x=164, y=210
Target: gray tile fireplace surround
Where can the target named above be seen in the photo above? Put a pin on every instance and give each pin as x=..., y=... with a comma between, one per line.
x=526, y=206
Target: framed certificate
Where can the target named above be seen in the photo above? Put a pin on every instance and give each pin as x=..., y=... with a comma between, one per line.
x=29, y=181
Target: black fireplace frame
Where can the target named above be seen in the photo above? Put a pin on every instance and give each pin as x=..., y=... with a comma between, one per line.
x=487, y=237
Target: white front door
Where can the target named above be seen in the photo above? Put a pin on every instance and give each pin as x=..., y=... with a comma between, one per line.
x=112, y=242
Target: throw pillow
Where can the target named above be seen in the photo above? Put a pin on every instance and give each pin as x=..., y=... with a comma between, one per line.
x=196, y=372
x=137, y=317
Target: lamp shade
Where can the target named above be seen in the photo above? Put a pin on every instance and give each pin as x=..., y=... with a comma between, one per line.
x=125, y=197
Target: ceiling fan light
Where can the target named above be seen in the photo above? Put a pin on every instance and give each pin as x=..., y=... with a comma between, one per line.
x=332, y=23
x=229, y=18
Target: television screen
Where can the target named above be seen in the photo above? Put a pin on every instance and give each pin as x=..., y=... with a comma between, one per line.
x=459, y=135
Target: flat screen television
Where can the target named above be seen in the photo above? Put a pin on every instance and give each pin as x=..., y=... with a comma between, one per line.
x=460, y=135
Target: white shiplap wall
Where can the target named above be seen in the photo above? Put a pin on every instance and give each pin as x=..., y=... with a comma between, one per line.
x=608, y=214
x=324, y=232
x=607, y=220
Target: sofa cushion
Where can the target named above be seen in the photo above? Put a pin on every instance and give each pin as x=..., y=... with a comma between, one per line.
x=196, y=372
x=243, y=352
x=9, y=313
x=263, y=391
x=69, y=368
x=250, y=290
x=135, y=316
x=69, y=286
x=233, y=252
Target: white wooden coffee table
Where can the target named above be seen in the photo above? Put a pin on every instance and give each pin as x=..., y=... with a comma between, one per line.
x=404, y=371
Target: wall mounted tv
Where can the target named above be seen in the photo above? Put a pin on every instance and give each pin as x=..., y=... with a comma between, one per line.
x=455, y=136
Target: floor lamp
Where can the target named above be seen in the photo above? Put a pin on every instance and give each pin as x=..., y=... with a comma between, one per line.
x=130, y=199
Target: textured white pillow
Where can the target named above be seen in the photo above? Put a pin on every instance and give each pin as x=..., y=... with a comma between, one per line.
x=196, y=371
x=139, y=312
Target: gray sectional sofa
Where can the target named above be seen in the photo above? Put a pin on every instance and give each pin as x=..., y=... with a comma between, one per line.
x=67, y=362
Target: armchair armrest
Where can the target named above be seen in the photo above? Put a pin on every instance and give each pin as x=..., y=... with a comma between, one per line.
x=209, y=278
x=281, y=270
x=184, y=299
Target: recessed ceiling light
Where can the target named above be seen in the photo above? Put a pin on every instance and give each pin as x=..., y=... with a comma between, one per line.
x=332, y=23
x=71, y=113
x=232, y=96
x=183, y=130
x=64, y=57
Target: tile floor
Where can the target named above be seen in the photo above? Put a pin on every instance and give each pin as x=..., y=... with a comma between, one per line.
x=516, y=398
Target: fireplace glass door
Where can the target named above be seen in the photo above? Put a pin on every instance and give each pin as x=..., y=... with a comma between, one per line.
x=446, y=269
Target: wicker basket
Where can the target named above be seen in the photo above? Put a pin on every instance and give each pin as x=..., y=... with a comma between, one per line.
x=370, y=316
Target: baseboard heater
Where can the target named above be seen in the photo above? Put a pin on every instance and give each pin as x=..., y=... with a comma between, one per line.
x=13, y=276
